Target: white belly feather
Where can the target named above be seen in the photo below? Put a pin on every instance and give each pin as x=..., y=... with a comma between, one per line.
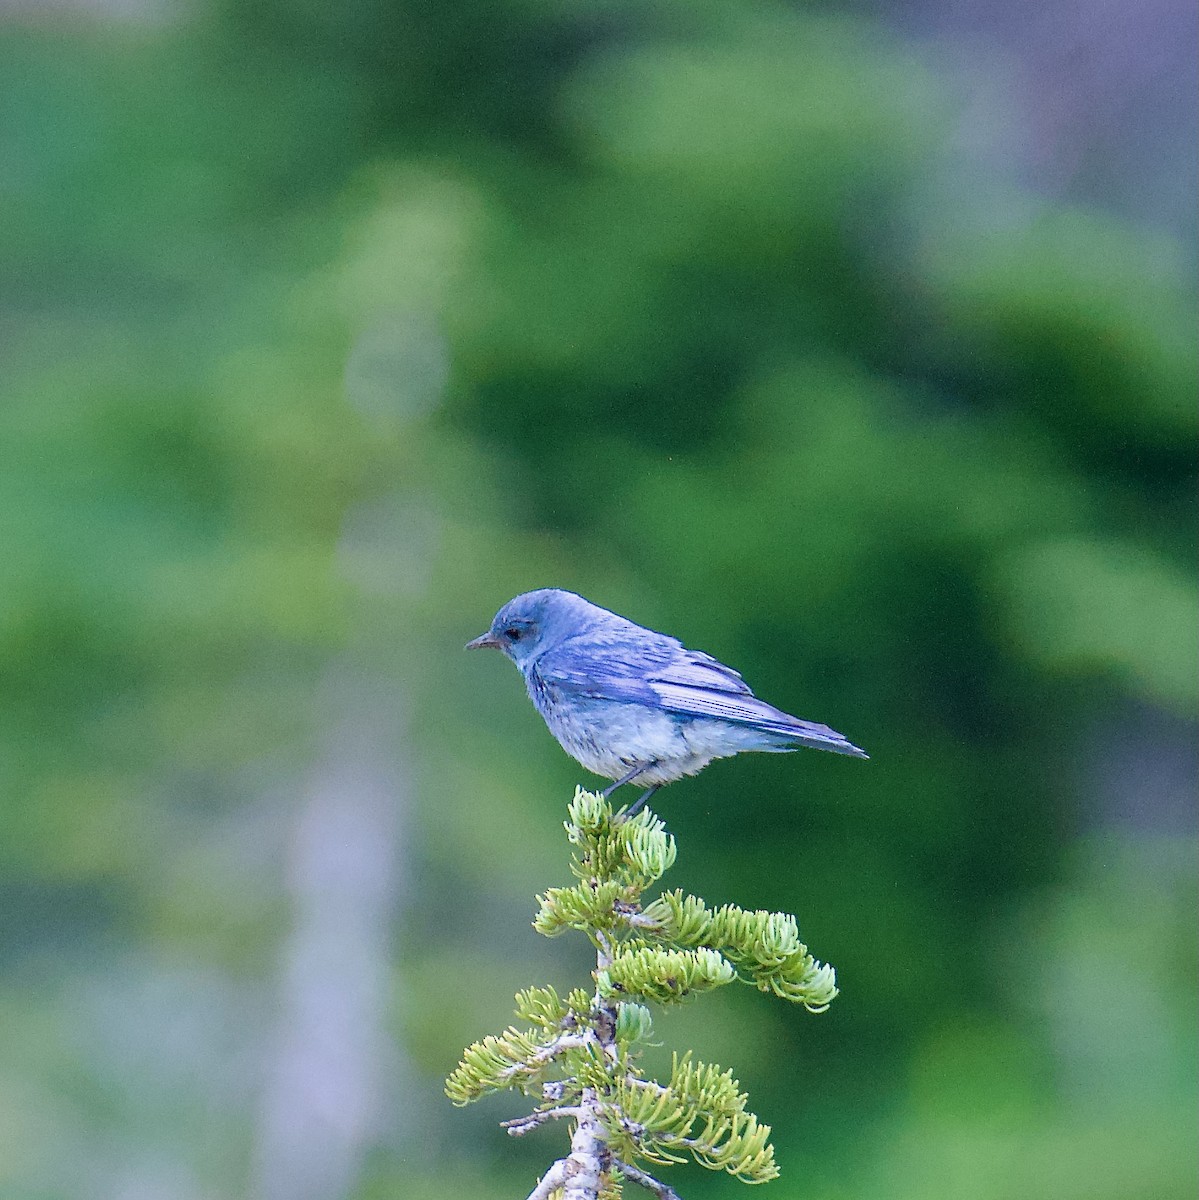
x=612, y=740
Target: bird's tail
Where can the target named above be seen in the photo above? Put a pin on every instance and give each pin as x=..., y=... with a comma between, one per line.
x=794, y=733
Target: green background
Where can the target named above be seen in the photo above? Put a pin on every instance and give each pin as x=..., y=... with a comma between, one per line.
x=326, y=329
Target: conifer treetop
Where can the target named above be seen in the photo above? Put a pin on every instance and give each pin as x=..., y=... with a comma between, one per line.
x=578, y=1056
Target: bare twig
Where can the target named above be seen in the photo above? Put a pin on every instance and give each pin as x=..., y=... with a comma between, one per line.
x=647, y=1181
x=519, y=1126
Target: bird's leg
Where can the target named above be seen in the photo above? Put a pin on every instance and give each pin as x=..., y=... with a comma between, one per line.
x=637, y=770
x=639, y=803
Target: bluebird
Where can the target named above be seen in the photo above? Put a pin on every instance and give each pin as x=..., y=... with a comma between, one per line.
x=633, y=705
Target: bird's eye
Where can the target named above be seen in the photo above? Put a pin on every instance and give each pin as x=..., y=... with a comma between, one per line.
x=513, y=634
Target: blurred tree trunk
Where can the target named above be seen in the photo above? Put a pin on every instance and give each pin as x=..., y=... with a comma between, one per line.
x=331, y=1057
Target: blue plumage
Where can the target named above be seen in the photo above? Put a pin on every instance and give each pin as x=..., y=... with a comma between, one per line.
x=631, y=704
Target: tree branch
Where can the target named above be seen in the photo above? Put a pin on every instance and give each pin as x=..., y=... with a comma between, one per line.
x=632, y=915
x=553, y=1179
x=585, y=1167
x=547, y=1054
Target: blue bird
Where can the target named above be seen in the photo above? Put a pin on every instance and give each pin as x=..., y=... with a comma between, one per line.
x=634, y=705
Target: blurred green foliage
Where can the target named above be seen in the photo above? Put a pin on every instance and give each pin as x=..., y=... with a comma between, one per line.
x=327, y=330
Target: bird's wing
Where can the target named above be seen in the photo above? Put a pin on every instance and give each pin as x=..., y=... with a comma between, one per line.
x=663, y=674
x=698, y=685
x=606, y=667
x=743, y=708
x=694, y=668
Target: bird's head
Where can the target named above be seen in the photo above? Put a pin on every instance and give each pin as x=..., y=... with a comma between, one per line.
x=533, y=622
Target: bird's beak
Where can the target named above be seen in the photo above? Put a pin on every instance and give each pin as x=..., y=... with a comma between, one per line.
x=486, y=639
